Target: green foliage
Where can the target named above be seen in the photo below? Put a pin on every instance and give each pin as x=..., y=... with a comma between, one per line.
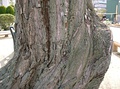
x=10, y=10
x=6, y=20
x=2, y=9
x=13, y=6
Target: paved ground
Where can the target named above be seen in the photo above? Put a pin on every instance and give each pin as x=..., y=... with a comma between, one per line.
x=116, y=33
x=6, y=48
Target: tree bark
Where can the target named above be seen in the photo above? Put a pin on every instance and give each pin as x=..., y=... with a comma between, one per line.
x=60, y=44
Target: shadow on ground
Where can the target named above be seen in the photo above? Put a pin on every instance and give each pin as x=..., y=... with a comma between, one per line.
x=116, y=54
x=4, y=61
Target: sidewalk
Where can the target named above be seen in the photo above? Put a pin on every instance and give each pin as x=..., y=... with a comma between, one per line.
x=6, y=46
x=116, y=33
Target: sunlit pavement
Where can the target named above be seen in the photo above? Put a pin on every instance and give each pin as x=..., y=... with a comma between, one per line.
x=116, y=33
x=6, y=46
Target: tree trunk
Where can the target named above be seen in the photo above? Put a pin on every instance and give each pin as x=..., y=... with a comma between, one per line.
x=60, y=44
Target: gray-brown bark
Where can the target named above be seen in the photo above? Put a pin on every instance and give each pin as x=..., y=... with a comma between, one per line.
x=60, y=44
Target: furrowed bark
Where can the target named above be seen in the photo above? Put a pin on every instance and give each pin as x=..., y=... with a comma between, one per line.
x=60, y=44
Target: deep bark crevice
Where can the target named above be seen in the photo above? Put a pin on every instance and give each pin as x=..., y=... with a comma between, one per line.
x=45, y=12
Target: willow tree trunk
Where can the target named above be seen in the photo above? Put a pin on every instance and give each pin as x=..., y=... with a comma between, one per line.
x=60, y=44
